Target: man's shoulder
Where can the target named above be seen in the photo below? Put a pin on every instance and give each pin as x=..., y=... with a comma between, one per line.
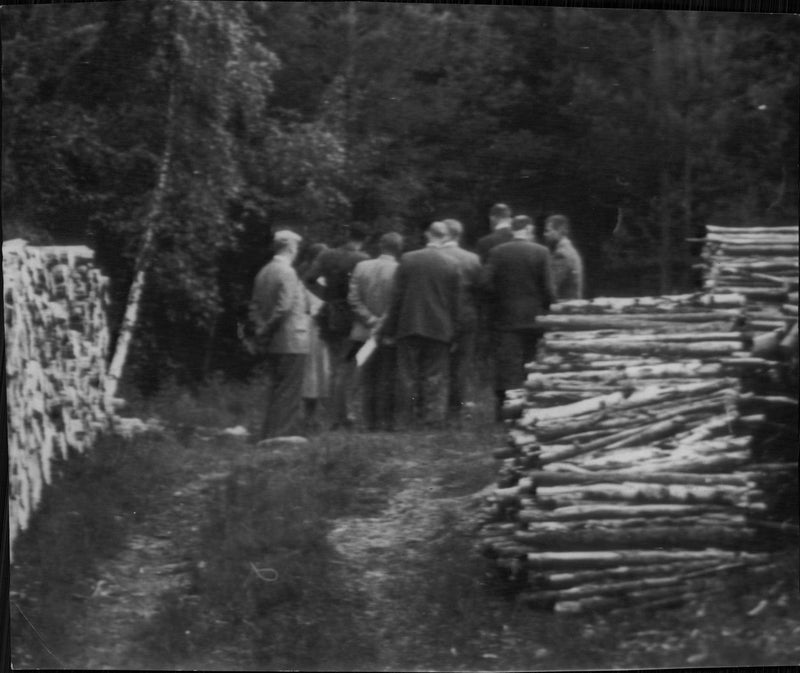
x=460, y=254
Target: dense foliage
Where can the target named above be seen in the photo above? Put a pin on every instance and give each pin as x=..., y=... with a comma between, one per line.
x=211, y=123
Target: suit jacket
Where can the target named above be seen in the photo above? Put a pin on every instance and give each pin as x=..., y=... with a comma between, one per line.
x=427, y=297
x=567, y=270
x=519, y=281
x=497, y=237
x=371, y=285
x=335, y=266
x=280, y=309
x=470, y=268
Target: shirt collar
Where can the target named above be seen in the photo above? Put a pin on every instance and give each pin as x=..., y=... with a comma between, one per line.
x=282, y=259
x=387, y=256
x=450, y=244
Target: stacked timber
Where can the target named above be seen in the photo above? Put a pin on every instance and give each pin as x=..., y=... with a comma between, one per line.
x=634, y=472
x=760, y=263
x=57, y=342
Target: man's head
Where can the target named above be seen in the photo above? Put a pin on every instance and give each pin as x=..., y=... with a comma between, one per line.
x=357, y=233
x=522, y=227
x=454, y=230
x=499, y=216
x=436, y=233
x=391, y=244
x=286, y=243
x=556, y=227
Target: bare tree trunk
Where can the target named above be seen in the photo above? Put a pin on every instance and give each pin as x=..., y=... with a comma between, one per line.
x=143, y=258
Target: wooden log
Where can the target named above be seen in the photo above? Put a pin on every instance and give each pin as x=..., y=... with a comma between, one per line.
x=624, y=557
x=630, y=347
x=555, y=581
x=651, y=537
x=752, y=231
x=547, y=478
x=612, y=511
x=641, y=336
x=643, y=492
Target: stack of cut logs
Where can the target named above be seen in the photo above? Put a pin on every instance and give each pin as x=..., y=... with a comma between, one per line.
x=634, y=473
x=760, y=263
x=56, y=346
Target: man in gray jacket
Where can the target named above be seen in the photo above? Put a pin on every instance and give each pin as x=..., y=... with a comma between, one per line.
x=280, y=314
x=370, y=294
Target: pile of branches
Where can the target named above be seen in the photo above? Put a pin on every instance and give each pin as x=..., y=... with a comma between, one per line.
x=57, y=342
x=638, y=469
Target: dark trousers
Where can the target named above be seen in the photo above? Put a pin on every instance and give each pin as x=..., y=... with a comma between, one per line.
x=343, y=371
x=423, y=377
x=512, y=350
x=462, y=370
x=284, y=394
x=379, y=381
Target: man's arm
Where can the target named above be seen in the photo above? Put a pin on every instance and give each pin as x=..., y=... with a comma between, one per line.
x=356, y=301
x=548, y=281
x=577, y=275
x=314, y=273
x=388, y=329
x=284, y=295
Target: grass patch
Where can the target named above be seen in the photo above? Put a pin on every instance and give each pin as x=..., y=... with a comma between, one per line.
x=267, y=569
x=82, y=519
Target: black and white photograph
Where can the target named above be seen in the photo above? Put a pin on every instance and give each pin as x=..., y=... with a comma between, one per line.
x=401, y=336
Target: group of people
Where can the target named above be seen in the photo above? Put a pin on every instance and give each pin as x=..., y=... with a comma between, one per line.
x=404, y=327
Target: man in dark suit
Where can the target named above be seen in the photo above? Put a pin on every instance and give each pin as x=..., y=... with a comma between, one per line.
x=462, y=356
x=519, y=283
x=500, y=220
x=424, y=319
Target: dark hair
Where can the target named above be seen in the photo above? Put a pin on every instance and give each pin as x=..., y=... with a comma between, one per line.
x=358, y=231
x=520, y=222
x=391, y=243
x=559, y=223
x=500, y=211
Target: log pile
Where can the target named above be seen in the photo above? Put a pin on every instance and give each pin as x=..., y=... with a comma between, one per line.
x=57, y=342
x=636, y=470
x=760, y=263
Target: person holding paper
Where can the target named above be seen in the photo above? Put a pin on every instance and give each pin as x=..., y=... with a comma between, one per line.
x=371, y=286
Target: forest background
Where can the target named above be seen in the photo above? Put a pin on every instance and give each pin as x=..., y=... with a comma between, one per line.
x=174, y=137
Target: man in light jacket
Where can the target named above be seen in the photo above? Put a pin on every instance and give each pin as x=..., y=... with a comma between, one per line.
x=566, y=262
x=280, y=316
x=371, y=286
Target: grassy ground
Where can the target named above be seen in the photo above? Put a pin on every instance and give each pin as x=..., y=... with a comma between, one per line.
x=266, y=585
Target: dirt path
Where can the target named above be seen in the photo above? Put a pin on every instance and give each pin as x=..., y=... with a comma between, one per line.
x=130, y=589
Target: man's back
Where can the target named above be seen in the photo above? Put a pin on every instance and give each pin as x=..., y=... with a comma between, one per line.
x=280, y=308
x=519, y=281
x=427, y=296
x=470, y=268
x=335, y=266
x=492, y=240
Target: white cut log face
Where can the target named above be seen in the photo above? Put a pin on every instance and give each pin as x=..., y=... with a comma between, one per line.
x=56, y=351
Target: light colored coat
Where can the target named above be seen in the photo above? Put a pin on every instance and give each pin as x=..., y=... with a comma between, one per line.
x=280, y=308
x=567, y=270
x=371, y=285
